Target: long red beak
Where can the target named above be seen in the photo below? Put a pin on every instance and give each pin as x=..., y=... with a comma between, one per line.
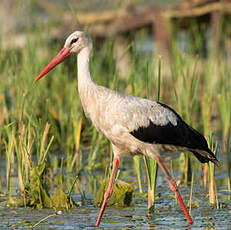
x=61, y=55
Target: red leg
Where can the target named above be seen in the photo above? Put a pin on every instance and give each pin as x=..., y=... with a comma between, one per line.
x=109, y=189
x=174, y=188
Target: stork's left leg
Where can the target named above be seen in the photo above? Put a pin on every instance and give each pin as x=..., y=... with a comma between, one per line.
x=109, y=189
x=174, y=188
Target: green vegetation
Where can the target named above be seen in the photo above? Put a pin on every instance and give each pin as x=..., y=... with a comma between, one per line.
x=121, y=195
x=41, y=122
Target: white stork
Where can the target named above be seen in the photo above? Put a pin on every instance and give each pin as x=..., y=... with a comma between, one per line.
x=133, y=125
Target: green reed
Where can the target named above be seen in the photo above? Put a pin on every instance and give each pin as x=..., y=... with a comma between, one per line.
x=191, y=194
x=185, y=81
x=206, y=105
x=228, y=158
x=9, y=147
x=151, y=166
x=211, y=173
x=27, y=108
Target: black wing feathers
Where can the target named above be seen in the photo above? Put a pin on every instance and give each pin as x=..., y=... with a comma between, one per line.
x=181, y=135
x=206, y=159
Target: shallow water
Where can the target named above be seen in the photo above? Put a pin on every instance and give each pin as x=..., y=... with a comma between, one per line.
x=168, y=214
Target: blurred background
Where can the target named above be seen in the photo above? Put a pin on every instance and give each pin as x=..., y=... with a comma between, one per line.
x=161, y=19
x=173, y=51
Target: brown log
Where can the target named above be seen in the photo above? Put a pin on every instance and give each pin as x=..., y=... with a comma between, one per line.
x=199, y=11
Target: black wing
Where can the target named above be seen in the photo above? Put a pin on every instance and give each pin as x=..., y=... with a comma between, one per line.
x=178, y=135
x=181, y=135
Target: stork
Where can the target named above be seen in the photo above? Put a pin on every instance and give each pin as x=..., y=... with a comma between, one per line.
x=133, y=125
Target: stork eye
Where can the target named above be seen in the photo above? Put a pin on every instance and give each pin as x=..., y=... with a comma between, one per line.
x=74, y=40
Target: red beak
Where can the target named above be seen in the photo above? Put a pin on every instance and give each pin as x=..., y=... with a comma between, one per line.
x=61, y=55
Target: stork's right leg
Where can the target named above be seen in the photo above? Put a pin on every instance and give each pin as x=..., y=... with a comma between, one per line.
x=109, y=189
x=174, y=188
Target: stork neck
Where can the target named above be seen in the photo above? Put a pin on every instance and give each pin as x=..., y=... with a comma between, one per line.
x=84, y=76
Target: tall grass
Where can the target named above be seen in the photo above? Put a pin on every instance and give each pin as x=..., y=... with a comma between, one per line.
x=185, y=83
x=228, y=158
x=27, y=109
x=212, y=193
x=151, y=166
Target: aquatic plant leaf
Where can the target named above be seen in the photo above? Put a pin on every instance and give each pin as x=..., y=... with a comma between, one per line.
x=121, y=195
x=14, y=201
x=35, y=192
x=61, y=200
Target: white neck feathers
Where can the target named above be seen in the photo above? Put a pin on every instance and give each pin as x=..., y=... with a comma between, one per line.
x=84, y=76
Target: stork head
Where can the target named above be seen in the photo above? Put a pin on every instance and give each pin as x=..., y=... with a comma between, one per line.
x=76, y=42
